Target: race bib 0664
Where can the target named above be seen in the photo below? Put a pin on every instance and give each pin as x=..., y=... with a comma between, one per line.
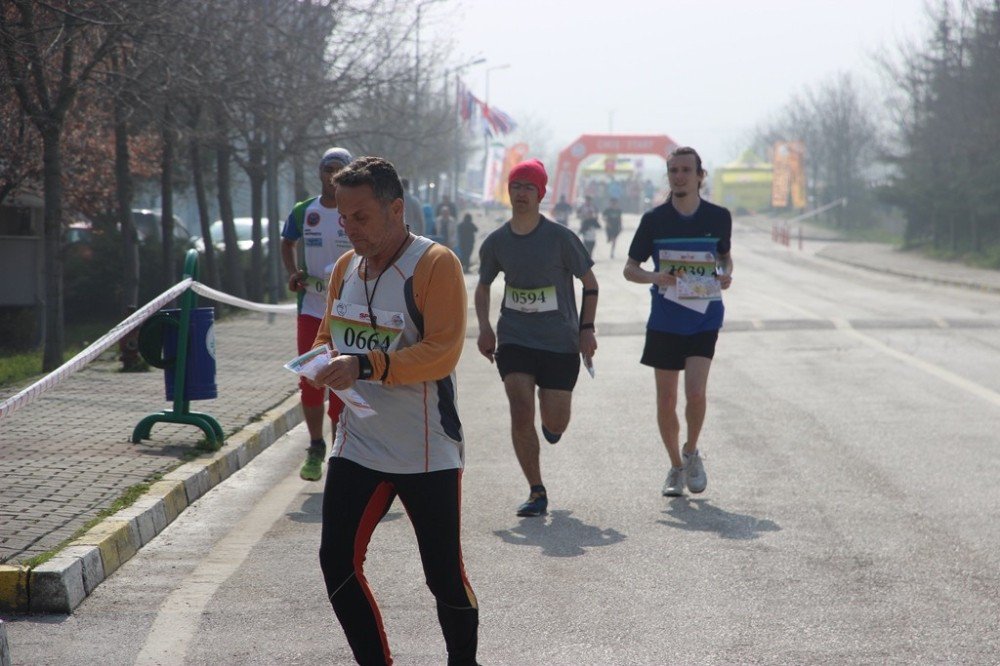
x=352, y=332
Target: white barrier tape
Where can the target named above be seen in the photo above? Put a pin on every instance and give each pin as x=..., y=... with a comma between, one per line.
x=57, y=376
x=222, y=297
x=75, y=364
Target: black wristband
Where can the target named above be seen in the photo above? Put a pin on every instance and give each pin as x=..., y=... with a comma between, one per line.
x=589, y=292
x=364, y=367
x=584, y=327
x=386, y=372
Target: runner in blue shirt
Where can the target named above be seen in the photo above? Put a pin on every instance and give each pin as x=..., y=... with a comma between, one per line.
x=689, y=241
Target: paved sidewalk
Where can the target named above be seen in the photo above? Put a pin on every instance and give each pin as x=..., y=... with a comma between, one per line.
x=889, y=259
x=66, y=456
x=884, y=257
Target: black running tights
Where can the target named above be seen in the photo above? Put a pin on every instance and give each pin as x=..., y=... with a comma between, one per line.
x=354, y=501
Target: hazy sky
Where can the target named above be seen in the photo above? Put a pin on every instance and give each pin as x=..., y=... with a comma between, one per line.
x=704, y=72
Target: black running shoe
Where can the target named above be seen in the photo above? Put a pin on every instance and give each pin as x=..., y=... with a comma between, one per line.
x=536, y=505
x=550, y=436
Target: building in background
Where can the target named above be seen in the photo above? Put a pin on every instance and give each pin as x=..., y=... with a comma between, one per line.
x=744, y=185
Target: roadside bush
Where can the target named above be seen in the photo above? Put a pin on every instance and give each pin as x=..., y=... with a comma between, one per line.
x=18, y=329
x=93, y=278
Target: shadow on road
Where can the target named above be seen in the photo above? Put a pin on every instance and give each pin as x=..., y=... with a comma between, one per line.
x=698, y=515
x=559, y=535
x=311, y=511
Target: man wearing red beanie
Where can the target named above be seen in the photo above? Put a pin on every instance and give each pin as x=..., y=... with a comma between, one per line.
x=541, y=337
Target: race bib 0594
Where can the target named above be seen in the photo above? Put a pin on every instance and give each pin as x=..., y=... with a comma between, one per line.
x=538, y=299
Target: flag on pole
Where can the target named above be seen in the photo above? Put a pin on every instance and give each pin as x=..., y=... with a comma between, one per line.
x=492, y=120
x=466, y=102
x=499, y=121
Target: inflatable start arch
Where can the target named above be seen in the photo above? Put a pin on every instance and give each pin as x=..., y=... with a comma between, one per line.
x=597, y=144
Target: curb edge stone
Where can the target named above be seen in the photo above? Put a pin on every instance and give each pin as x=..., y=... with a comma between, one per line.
x=62, y=583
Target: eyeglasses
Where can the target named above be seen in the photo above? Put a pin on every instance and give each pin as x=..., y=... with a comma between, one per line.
x=526, y=187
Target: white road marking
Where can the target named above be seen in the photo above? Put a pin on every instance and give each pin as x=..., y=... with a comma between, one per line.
x=179, y=615
x=931, y=369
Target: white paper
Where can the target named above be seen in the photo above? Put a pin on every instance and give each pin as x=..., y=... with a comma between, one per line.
x=309, y=364
x=699, y=287
x=697, y=304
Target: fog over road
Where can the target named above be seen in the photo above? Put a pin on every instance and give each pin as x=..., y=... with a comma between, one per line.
x=851, y=514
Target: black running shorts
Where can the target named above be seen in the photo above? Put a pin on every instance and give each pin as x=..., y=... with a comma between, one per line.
x=551, y=370
x=669, y=351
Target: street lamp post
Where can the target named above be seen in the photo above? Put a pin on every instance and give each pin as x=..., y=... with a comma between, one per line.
x=416, y=73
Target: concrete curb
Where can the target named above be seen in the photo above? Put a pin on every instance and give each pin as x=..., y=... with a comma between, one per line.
x=4, y=647
x=951, y=282
x=62, y=583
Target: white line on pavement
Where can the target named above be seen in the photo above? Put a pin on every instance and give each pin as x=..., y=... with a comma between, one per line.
x=931, y=369
x=179, y=615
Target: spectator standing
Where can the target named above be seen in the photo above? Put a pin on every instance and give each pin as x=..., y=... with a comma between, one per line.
x=466, y=240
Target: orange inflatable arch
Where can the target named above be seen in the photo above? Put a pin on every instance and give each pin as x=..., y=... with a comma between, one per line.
x=597, y=144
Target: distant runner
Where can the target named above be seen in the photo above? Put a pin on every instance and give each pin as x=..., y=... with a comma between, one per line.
x=612, y=223
x=562, y=210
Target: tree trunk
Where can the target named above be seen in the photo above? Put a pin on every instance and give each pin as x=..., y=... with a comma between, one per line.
x=211, y=273
x=54, y=331
x=167, y=196
x=299, y=176
x=123, y=196
x=234, y=282
x=256, y=174
x=274, y=273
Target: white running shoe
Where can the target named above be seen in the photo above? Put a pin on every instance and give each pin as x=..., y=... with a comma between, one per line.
x=674, y=485
x=694, y=472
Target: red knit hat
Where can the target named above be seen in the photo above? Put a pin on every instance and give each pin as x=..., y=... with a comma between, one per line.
x=532, y=171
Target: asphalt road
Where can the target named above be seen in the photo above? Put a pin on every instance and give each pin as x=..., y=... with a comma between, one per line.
x=851, y=514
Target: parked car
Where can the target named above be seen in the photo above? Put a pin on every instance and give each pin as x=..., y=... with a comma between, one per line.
x=149, y=225
x=244, y=235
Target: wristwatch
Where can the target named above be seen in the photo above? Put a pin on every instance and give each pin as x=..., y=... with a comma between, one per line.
x=364, y=367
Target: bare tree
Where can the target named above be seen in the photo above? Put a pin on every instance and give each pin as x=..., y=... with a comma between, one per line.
x=842, y=142
x=49, y=50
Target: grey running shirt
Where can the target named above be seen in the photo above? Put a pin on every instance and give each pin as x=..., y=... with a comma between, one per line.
x=539, y=302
